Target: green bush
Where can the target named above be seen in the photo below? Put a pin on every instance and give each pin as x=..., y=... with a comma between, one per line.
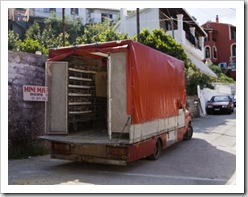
x=222, y=75
x=30, y=45
x=194, y=77
x=13, y=41
x=22, y=145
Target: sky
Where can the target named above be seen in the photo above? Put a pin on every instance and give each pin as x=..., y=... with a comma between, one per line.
x=226, y=15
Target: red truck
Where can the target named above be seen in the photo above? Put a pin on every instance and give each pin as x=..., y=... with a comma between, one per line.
x=114, y=102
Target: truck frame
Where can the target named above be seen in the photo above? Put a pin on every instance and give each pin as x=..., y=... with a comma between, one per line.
x=114, y=102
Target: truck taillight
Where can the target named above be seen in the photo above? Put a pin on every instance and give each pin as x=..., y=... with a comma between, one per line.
x=60, y=146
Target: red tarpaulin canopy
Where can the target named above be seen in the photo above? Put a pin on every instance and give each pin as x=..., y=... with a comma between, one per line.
x=155, y=81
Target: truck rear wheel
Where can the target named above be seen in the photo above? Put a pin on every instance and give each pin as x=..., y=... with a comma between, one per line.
x=157, y=151
x=188, y=135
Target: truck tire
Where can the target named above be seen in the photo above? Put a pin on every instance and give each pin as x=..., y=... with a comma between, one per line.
x=157, y=151
x=188, y=135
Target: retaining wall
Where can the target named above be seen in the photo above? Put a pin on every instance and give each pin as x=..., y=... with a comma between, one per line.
x=25, y=118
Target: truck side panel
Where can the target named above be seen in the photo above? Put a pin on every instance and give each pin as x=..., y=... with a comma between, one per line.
x=157, y=83
x=146, y=130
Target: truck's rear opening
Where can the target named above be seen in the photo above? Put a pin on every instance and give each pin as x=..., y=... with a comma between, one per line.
x=81, y=91
x=87, y=91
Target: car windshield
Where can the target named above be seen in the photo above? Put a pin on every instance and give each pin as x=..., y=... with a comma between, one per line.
x=220, y=99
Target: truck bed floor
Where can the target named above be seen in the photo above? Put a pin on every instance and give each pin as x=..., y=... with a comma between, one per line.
x=91, y=136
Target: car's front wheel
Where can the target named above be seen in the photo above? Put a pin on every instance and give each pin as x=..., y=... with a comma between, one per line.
x=209, y=112
x=230, y=111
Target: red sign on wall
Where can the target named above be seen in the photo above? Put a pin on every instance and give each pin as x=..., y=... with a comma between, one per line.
x=35, y=93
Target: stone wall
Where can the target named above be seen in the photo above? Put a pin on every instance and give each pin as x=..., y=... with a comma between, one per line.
x=193, y=108
x=25, y=118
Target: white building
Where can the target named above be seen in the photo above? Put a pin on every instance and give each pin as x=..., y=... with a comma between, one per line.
x=85, y=15
x=177, y=23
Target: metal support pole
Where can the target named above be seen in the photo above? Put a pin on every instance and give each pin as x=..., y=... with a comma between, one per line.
x=138, y=26
x=63, y=25
x=172, y=27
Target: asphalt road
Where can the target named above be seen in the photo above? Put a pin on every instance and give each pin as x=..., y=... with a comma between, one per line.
x=208, y=159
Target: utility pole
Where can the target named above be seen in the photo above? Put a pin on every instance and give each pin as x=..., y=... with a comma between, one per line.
x=73, y=14
x=63, y=25
x=138, y=26
x=172, y=28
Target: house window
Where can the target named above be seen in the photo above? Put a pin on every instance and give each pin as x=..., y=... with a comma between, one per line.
x=167, y=26
x=214, y=52
x=74, y=11
x=233, y=35
x=233, y=50
x=106, y=17
x=222, y=65
x=207, y=52
x=214, y=37
x=48, y=10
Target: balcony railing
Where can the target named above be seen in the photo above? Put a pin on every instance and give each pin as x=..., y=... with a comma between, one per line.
x=192, y=40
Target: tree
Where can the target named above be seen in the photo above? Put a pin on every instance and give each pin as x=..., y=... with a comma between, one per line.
x=13, y=41
x=42, y=37
x=73, y=28
x=31, y=46
x=222, y=78
x=50, y=36
x=100, y=32
x=40, y=41
x=159, y=40
x=37, y=39
x=110, y=35
x=194, y=77
x=33, y=32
